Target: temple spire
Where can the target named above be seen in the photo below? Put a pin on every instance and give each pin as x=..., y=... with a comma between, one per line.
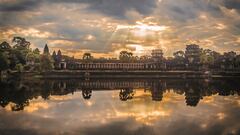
x=46, y=50
x=59, y=55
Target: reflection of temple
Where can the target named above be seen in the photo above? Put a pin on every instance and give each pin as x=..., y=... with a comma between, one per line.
x=20, y=93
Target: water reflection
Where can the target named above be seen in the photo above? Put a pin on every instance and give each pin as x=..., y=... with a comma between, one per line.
x=121, y=107
x=19, y=93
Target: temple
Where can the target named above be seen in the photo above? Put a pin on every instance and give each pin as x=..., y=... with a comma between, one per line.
x=193, y=58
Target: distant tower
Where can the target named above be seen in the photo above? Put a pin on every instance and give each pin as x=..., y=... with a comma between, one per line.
x=157, y=55
x=54, y=56
x=59, y=56
x=192, y=54
x=46, y=50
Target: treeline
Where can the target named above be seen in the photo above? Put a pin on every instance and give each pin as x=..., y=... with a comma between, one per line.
x=192, y=58
x=18, y=56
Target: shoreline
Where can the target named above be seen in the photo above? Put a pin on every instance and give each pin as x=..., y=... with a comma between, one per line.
x=88, y=74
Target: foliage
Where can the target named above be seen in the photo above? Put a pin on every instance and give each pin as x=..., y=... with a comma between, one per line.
x=20, y=42
x=3, y=61
x=20, y=56
x=126, y=56
x=4, y=46
x=19, y=67
x=36, y=51
x=46, y=63
x=207, y=57
x=179, y=57
x=179, y=54
x=87, y=56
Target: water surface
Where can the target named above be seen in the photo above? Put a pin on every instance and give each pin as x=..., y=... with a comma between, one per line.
x=122, y=106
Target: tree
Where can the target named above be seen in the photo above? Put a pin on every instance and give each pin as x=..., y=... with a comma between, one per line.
x=32, y=61
x=87, y=56
x=4, y=46
x=145, y=58
x=179, y=54
x=54, y=56
x=179, y=58
x=18, y=55
x=229, y=59
x=46, y=63
x=3, y=62
x=237, y=63
x=20, y=42
x=126, y=56
x=19, y=52
x=4, y=56
x=206, y=57
x=36, y=51
x=19, y=67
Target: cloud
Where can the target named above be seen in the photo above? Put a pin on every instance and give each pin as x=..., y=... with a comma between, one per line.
x=188, y=9
x=15, y=5
x=113, y=8
x=212, y=23
x=232, y=4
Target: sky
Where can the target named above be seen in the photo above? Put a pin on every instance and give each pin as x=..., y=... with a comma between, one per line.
x=106, y=27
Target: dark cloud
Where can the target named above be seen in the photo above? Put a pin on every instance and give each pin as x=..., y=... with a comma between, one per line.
x=188, y=9
x=115, y=8
x=119, y=8
x=232, y=4
x=22, y=5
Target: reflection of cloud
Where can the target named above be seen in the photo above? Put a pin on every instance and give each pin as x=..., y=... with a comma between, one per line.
x=60, y=98
x=108, y=115
x=144, y=117
x=221, y=116
x=35, y=106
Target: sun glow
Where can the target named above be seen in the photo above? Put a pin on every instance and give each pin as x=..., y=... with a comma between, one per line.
x=143, y=27
x=140, y=37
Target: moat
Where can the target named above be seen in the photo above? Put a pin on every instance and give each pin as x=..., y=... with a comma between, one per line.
x=120, y=106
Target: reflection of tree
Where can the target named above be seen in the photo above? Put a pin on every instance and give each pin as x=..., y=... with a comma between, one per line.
x=20, y=93
x=19, y=107
x=225, y=88
x=45, y=93
x=126, y=94
x=86, y=94
x=3, y=102
x=192, y=97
